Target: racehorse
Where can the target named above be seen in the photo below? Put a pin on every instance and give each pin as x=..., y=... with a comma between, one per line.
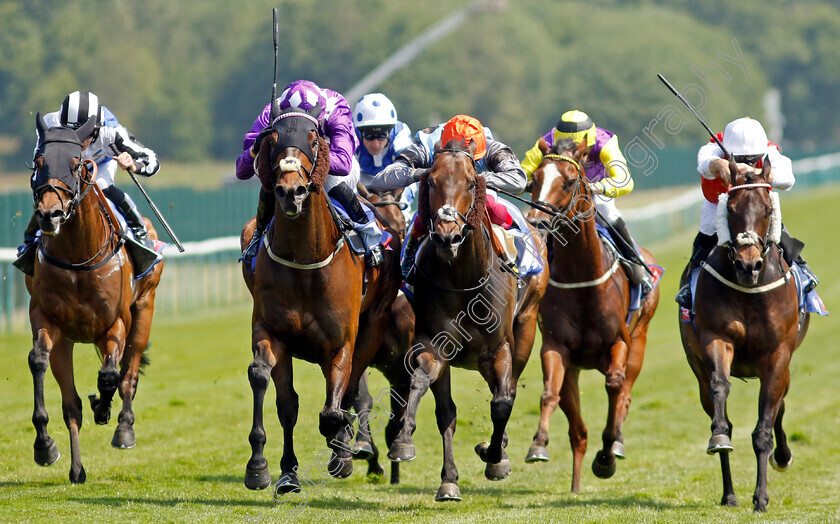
x=586, y=320
x=83, y=290
x=746, y=323
x=389, y=357
x=313, y=298
x=466, y=313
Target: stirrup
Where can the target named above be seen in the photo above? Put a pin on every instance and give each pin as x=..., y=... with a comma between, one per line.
x=253, y=247
x=374, y=257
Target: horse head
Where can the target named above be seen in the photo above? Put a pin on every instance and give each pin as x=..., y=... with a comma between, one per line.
x=389, y=206
x=59, y=173
x=451, y=200
x=559, y=183
x=293, y=159
x=749, y=220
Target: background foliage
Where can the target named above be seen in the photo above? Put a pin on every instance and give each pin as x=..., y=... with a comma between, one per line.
x=189, y=78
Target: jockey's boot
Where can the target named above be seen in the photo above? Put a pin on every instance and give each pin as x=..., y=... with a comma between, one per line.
x=407, y=263
x=345, y=196
x=703, y=245
x=143, y=250
x=374, y=256
x=26, y=252
x=637, y=273
x=792, y=252
x=265, y=212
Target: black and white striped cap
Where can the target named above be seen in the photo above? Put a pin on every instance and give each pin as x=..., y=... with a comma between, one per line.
x=78, y=106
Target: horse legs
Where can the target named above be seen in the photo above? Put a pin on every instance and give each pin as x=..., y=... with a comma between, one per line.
x=259, y=375
x=774, y=385
x=498, y=373
x=782, y=457
x=424, y=369
x=578, y=434
x=138, y=339
x=713, y=377
x=333, y=424
x=61, y=363
x=365, y=449
x=635, y=357
x=603, y=466
x=554, y=365
x=445, y=413
x=111, y=346
x=46, y=451
x=287, y=412
x=399, y=392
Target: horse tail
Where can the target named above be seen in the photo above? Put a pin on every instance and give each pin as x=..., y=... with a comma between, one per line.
x=145, y=360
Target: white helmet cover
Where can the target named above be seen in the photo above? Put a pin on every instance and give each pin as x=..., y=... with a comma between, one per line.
x=78, y=106
x=374, y=109
x=745, y=136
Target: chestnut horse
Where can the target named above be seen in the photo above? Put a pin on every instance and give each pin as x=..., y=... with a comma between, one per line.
x=82, y=290
x=389, y=206
x=746, y=324
x=466, y=311
x=313, y=299
x=584, y=314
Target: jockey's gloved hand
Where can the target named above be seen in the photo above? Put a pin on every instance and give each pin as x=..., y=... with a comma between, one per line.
x=264, y=133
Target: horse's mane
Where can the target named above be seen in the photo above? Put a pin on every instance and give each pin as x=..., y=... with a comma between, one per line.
x=424, y=213
x=319, y=171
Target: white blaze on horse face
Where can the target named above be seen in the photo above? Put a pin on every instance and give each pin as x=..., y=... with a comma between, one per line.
x=550, y=174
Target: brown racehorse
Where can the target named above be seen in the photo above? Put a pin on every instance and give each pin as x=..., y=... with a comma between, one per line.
x=389, y=358
x=746, y=324
x=584, y=314
x=82, y=290
x=466, y=311
x=308, y=299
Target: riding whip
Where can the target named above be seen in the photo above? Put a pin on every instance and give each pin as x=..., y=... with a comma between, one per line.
x=697, y=116
x=152, y=205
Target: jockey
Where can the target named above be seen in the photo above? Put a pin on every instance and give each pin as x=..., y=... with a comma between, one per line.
x=336, y=126
x=607, y=171
x=493, y=159
x=746, y=140
x=109, y=137
x=381, y=137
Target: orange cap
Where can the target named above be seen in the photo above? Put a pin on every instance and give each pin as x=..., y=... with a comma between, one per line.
x=466, y=128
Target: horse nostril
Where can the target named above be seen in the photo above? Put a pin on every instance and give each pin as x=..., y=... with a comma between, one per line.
x=437, y=238
x=456, y=239
x=757, y=266
x=56, y=213
x=279, y=193
x=300, y=191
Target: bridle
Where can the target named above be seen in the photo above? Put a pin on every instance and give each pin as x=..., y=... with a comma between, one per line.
x=581, y=187
x=290, y=163
x=749, y=237
x=75, y=195
x=447, y=212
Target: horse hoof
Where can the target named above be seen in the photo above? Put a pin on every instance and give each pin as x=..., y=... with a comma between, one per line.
x=362, y=451
x=780, y=467
x=448, y=492
x=123, y=439
x=498, y=471
x=287, y=483
x=401, y=452
x=80, y=477
x=339, y=467
x=719, y=443
x=47, y=456
x=730, y=501
x=257, y=478
x=603, y=466
x=618, y=450
x=537, y=454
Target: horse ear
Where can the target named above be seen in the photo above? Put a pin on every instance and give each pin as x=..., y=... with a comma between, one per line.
x=580, y=150
x=41, y=126
x=472, y=148
x=86, y=130
x=275, y=110
x=733, y=169
x=543, y=145
x=315, y=111
x=765, y=168
x=438, y=146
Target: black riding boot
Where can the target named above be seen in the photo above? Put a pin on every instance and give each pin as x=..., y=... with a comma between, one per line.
x=627, y=247
x=407, y=263
x=265, y=212
x=134, y=221
x=26, y=253
x=703, y=245
x=792, y=252
x=350, y=202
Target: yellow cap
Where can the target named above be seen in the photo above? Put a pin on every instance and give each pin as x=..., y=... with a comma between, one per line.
x=576, y=125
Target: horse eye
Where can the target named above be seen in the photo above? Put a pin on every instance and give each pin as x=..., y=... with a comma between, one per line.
x=473, y=185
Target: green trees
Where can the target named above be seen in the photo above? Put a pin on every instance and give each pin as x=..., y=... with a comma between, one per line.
x=188, y=78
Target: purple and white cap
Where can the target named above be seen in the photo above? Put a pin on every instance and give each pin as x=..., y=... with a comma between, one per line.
x=303, y=95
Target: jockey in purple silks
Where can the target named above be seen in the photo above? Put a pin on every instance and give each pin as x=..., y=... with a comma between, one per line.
x=336, y=126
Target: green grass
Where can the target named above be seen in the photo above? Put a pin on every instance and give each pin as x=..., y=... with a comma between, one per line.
x=193, y=412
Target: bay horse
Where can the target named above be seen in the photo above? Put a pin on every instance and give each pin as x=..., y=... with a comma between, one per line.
x=390, y=356
x=82, y=290
x=467, y=313
x=585, y=314
x=746, y=323
x=313, y=299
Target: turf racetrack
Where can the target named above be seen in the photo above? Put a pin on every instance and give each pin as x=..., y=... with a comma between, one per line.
x=193, y=410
